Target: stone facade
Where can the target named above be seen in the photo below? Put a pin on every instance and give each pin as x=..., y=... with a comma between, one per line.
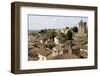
x=82, y=27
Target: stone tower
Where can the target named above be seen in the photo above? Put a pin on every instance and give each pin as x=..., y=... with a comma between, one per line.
x=82, y=27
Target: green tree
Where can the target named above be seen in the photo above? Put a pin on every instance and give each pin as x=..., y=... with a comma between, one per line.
x=67, y=28
x=43, y=31
x=75, y=29
x=51, y=34
x=67, y=36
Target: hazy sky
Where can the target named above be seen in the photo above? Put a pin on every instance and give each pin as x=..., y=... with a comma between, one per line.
x=37, y=22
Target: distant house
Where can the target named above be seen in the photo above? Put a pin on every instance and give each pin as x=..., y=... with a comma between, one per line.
x=57, y=50
x=44, y=54
x=30, y=45
x=62, y=31
x=58, y=31
x=80, y=52
x=57, y=40
x=43, y=39
x=40, y=53
x=83, y=50
x=33, y=54
x=41, y=57
x=31, y=38
x=68, y=46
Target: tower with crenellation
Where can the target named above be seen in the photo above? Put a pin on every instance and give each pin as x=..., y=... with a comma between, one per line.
x=82, y=29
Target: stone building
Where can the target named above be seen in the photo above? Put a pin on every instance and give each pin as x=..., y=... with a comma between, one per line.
x=57, y=50
x=39, y=54
x=57, y=40
x=82, y=29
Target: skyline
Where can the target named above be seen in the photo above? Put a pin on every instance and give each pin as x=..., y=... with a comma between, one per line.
x=38, y=22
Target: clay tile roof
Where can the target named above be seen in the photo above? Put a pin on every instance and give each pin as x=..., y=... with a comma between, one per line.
x=65, y=56
x=30, y=47
x=34, y=50
x=44, y=52
x=58, y=48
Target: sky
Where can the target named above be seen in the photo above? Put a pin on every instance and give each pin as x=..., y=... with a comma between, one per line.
x=38, y=22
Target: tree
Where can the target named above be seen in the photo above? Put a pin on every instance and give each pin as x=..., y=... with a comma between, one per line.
x=51, y=34
x=69, y=35
x=67, y=28
x=75, y=29
x=43, y=31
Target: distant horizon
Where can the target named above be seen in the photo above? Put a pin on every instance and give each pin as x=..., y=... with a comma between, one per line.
x=43, y=29
x=39, y=22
